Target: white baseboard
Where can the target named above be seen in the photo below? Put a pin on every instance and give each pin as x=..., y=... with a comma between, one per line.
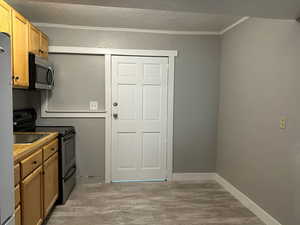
x=193, y=176
x=247, y=202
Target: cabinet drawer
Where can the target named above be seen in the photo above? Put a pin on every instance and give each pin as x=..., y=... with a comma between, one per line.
x=17, y=196
x=31, y=163
x=18, y=215
x=17, y=174
x=50, y=149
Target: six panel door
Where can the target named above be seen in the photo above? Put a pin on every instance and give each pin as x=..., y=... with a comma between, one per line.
x=139, y=123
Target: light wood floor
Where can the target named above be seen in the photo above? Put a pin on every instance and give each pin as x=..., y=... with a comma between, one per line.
x=169, y=203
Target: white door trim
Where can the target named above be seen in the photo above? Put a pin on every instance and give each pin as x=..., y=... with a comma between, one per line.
x=107, y=52
x=108, y=124
x=170, y=110
x=110, y=51
x=107, y=112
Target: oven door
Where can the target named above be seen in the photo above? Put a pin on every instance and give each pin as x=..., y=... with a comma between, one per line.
x=44, y=74
x=68, y=152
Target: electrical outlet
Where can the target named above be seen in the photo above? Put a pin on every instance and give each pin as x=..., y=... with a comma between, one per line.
x=282, y=124
x=93, y=106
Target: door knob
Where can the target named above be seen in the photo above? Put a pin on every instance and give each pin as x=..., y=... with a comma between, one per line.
x=115, y=115
x=115, y=104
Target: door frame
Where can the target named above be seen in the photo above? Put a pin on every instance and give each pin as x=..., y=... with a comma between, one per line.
x=107, y=114
x=170, y=117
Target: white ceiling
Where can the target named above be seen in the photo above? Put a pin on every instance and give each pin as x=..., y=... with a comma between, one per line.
x=284, y=9
x=99, y=16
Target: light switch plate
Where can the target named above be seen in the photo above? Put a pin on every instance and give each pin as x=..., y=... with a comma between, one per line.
x=93, y=106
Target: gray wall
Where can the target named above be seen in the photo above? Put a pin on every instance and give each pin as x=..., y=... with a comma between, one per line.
x=196, y=97
x=259, y=86
x=85, y=71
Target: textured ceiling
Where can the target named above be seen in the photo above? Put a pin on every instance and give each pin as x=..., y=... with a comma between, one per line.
x=98, y=16
x=284, y=9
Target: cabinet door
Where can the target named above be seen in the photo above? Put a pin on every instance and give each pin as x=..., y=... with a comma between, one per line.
x=44, y=45
x=32, y=198
x=5, y=17
x=50, y=183
x=20, y=50
x=34, y=40
x=18, y=215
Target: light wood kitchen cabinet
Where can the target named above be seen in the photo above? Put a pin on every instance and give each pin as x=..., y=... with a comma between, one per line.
x=39, y=184
x=50, y=149
x=34, y=40
x=17, y=196
x=44, y=42
x=20, y=50
x=17, y=174
x=18, y=215
x=50, y=183
x=38, y=42
x=5, y=17
x=25, y=38
x=29, y=164
x=32, y=198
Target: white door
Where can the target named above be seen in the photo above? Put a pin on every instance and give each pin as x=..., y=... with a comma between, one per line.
x=139, y=122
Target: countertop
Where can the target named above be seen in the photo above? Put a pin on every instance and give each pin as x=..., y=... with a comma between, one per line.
x=22, y=151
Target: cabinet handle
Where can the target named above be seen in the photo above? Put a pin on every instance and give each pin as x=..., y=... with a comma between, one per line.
x=52, y=149
x=34, y=162
x=16, y=77
x=2, y=50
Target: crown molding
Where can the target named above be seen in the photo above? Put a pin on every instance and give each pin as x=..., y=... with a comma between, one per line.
x=173, y=32
x=240, y=21
x=153, y=31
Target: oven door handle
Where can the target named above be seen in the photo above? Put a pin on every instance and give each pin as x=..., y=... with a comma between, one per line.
x=70, y=173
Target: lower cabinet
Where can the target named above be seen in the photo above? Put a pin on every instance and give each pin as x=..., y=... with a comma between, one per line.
x=50, y=183
x=32, y=198
x=18, y=215
x=39, y=185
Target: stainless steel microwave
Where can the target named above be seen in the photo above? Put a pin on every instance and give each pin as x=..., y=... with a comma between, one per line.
x=41, y=73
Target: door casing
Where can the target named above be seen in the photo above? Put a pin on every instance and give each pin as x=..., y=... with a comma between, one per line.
x=108, y=121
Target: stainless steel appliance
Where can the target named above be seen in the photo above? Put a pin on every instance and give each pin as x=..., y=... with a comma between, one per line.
x=25, y=120
x=6, y=134
x=41, y=73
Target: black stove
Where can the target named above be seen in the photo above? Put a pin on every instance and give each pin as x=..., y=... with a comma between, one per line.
x=62, y=130
x=25, y=121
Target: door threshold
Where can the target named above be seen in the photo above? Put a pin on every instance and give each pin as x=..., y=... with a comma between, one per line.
x=139, y=181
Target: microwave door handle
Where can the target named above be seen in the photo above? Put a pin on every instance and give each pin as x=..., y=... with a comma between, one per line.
x=50, y=77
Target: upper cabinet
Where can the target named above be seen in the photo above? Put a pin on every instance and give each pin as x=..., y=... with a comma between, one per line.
x=44, y=42
x=34, y=40
x=38, y=42
x=20, y=50
x=25, y=38
x=5, y=17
